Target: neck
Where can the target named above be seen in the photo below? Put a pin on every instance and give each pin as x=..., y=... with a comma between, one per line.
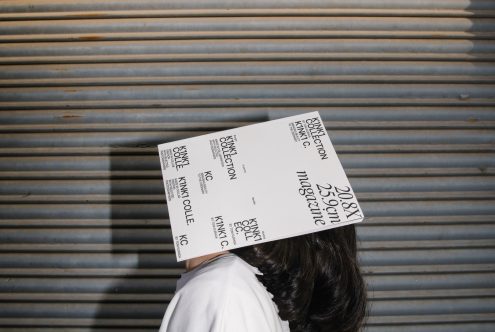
x=193, y=262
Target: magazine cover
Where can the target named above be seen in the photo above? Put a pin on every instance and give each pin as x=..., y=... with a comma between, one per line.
x=254, y=184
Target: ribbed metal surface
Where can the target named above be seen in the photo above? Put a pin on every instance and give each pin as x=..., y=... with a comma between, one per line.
x=88, y=88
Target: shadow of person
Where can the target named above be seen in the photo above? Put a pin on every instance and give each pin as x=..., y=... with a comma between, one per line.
x=140, y=270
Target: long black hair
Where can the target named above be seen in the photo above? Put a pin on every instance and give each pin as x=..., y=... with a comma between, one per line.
x=314, y=278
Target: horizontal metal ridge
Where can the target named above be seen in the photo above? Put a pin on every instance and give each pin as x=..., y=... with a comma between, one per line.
x=159, y=210
x=434, y=327
x=460, y=12
x=286, y=79
x=77, y=123
x=381, y=323
x=462, y=100
x=222, y=25
x=158, y=282
x=341, y=149
x=362, y=186
x=240, y=46
x=375, y=257
x=102, y=247
x=68, y=126
x=438, y=326
x=142, y=223
x=250, y=56
x=153, y=174
x=137, y=222
x=119, y=163
x=125, y=297
x=432, y=270
x=380, y=235
x=120, y=322
x=152, y=138
x=93, y=297
x=244, y=68
x=436, y=318
x=430, y=220
x=247, y=115
x=412, y=307
x=477, y=271
x=471, y=136
x=89, y=328
x=28, y=198
x=140, y=309
x=389, y=148
x=365, y=244
x=121, y=272
x=246, y=34
x=17, y=7
x=175, y=272
x=257, y=92
x=433, y=294
x=435, y=278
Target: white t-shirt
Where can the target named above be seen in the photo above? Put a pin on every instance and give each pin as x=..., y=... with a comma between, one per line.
x=222, y=295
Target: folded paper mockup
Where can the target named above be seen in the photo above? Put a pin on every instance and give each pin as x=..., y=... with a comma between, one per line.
x=254, y=184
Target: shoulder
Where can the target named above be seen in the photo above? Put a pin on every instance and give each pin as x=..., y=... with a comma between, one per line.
x=213, y=283
x=203, y=293
x=223, y=295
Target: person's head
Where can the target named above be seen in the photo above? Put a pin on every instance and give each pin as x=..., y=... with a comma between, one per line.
x=314, y=278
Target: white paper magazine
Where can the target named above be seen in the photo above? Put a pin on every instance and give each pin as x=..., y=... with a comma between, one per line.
x=254, y=184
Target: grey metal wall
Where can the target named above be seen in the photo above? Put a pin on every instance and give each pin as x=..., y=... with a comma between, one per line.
x=88, y=88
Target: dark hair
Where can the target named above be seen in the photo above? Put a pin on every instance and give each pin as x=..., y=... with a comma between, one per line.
x=314, y=278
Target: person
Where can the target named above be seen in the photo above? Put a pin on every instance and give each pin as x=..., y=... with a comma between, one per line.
x=305, y=283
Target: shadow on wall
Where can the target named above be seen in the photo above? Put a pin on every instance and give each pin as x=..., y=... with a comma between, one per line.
x=143, y=269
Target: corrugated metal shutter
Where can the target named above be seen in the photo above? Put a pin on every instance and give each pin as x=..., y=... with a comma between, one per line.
x=88, y=88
